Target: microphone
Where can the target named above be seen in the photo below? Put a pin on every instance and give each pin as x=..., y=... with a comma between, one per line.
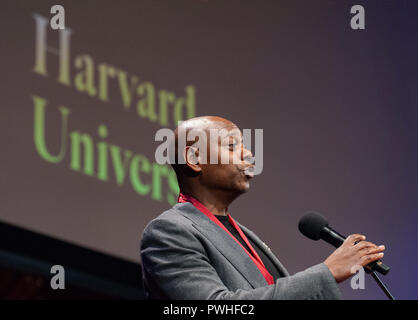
x=314, y=226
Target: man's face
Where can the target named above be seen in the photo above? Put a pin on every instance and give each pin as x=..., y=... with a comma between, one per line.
x=229, y=173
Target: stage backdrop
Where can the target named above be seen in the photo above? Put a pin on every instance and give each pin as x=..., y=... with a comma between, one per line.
x=80, y=107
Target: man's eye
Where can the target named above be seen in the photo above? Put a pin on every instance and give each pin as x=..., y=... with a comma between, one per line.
x=232, y=146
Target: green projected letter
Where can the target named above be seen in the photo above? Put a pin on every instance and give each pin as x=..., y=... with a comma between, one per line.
x=39, y=130
x=188, y=102
x=146, y=103
x=139, y=163
x=84, y=80
x=120, y=165
x=76, y=139
x=102, y=154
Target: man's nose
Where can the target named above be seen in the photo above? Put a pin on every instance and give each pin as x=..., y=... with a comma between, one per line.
x=246, y=155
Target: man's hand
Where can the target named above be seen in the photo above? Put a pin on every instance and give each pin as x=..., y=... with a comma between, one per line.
x=353, y=252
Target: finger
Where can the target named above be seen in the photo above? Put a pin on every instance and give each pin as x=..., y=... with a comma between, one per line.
x=355, y=237
x=365, y=260
x=371, y=250
x=364, y=244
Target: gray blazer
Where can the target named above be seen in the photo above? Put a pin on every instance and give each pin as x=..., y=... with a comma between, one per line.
x=187, y=256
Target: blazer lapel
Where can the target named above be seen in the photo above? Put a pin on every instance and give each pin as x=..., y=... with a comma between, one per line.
x=227, y=246
x=267, y=251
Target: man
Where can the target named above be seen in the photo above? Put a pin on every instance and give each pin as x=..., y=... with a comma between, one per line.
x=196, y=250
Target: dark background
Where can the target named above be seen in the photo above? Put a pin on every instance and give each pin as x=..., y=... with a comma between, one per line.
x=338, y=108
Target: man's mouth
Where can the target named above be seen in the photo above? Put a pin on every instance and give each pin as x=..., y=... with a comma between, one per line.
x=249, y=172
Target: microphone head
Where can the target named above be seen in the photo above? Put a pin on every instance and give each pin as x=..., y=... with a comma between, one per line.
x=311, y=225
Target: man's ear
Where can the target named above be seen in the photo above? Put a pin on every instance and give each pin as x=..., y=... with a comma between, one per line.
x=191, y=155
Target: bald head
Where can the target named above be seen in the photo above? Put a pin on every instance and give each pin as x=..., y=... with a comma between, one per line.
x=202, y=124
x=205, y=123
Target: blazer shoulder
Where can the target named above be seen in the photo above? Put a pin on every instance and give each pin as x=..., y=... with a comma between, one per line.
x=172, y=216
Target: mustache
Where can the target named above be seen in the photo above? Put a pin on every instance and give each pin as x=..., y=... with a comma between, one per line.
x=249, y=168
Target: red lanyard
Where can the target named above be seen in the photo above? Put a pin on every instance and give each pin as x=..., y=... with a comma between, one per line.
x=254, y=256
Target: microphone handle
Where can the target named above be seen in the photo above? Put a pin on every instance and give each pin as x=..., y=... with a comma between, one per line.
x=336, y=239
x=331, y=236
